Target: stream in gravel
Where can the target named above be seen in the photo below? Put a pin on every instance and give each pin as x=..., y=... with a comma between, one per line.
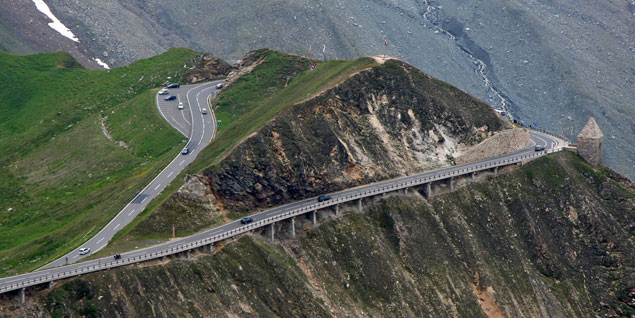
x=453, y=29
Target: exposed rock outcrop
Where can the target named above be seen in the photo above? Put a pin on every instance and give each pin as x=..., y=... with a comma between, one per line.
x=384, y=122
x=207, y=68
x=501, y=143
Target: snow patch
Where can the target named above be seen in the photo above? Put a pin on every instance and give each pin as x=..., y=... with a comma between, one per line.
x=56, y=24
x=102, y=63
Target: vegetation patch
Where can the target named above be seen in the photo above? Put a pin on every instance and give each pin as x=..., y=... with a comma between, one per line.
x=63, y=178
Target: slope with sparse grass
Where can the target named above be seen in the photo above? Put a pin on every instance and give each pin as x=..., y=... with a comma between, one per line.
x=61, y=178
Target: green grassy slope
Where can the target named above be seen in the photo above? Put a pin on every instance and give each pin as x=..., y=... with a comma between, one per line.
x=61, y=179
x=278, y=82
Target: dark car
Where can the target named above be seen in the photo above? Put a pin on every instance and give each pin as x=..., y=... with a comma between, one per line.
x=174, y=85
x=324, y=198
x=170, y=98
x=246, y=220
x=539, y=148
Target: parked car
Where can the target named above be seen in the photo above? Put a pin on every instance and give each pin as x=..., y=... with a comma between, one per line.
x=185, y=151
x=169, y=98
x=180, y=105
x=84, y=250
x=246, y=220
x=323, y=198
x=220, y=85
x=164, y=92
x=174, y=85
x=539, y=148
x=204, y=111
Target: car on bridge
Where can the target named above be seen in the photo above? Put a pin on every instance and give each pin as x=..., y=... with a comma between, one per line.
x=539, y=148
x=246, y=220
x=323, y=198
x=169, y=98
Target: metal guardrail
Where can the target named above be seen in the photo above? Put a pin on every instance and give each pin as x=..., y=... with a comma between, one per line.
x=407, y=183
x=550, y=134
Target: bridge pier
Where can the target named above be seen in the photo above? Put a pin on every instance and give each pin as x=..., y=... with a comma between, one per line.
x=337, y=210
x=496, y=171
x=211, y=248
x=359, y=205
x=450, y=184
x=273, y=231
x=383, y=195
x=22, y=295
x=473, y=175
x=314, y=217
x=188, y=254
x=293, y=227
x=428, y=190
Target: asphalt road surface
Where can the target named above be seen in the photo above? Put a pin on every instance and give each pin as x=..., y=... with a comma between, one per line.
x=191, y=122
x=538, y=138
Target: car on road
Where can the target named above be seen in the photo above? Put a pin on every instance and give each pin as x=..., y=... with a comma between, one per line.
x=84, y=250
x=174, y=85
x=180, y=105
x=539, y=148
x=164, y=92
x=185, y=151
x=323, y=198
x=220, y=85
x=204, y=111
x=169, y=98
x=246, y=220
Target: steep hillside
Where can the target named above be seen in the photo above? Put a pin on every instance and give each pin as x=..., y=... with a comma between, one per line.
x=75, y=146
x=385, y=121
x=388, y=121
x=265, y=84
x=544, y=61
x=553, y=238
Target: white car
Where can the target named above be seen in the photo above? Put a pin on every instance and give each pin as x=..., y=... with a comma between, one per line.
x=204, y=111
x=219, y=85
x=84, y=250
x=164, y=92
x=180, y=105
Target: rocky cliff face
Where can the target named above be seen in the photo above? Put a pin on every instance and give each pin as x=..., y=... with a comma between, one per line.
x=553, y=238
x=388, y=121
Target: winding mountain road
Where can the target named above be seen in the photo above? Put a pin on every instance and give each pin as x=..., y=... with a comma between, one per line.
x=199, y=128
x=276, y=214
